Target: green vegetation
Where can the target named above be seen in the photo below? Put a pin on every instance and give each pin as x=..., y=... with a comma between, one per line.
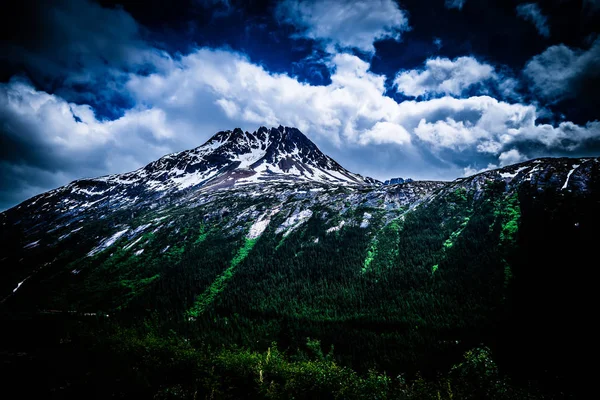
x=135, y=285
x=370, y=255
x=243, y=252
x=383, y=246
x=203, y=312
x=450, y=241
x=141, y=362
x=218, y=285
x=510, y=213
x=202, y=235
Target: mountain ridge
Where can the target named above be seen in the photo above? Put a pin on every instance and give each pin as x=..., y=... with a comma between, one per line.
x=237, y=158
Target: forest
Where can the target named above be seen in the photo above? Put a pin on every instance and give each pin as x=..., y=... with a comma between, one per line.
x=469, y=295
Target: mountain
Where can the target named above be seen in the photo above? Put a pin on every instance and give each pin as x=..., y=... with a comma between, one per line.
x=259, y=238
x=228, y=159
x=236, y=157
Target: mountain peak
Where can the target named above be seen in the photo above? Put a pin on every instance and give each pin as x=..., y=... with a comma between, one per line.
x=238, y=132
x=271, y=154
x=234, y=157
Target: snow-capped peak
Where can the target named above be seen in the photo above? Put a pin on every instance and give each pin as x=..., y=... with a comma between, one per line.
x=236, y=157
x=231, y=158
x=228, y=159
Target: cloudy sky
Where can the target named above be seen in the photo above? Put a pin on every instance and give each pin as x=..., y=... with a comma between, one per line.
x=423, y=89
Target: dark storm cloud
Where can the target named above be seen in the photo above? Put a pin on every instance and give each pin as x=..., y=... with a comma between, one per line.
x=57, y=38
x=20, y=182
x=70, y=46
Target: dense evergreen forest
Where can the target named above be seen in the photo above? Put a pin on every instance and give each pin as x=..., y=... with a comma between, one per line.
x=472, y=294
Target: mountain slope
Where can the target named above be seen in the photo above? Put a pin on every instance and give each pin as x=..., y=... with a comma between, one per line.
x=405, y=277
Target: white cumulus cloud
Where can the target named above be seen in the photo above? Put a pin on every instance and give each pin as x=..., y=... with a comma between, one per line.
x=443, y=76
x=345, y=24
x=511, y=157
x=352, y=110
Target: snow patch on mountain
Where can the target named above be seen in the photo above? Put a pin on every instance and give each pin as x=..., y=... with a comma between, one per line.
x=261, y=224
x=511, y=175
x=574, y=167
x=193, y=179
x=337, y=227
x=139, y=229
x=267, y=154
x=32, y=245
x=294, y=221
x=531, y=173
x=366, y=220
x=106, y=243
x=130, y=245
x=228, y=160
x=19, y=285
